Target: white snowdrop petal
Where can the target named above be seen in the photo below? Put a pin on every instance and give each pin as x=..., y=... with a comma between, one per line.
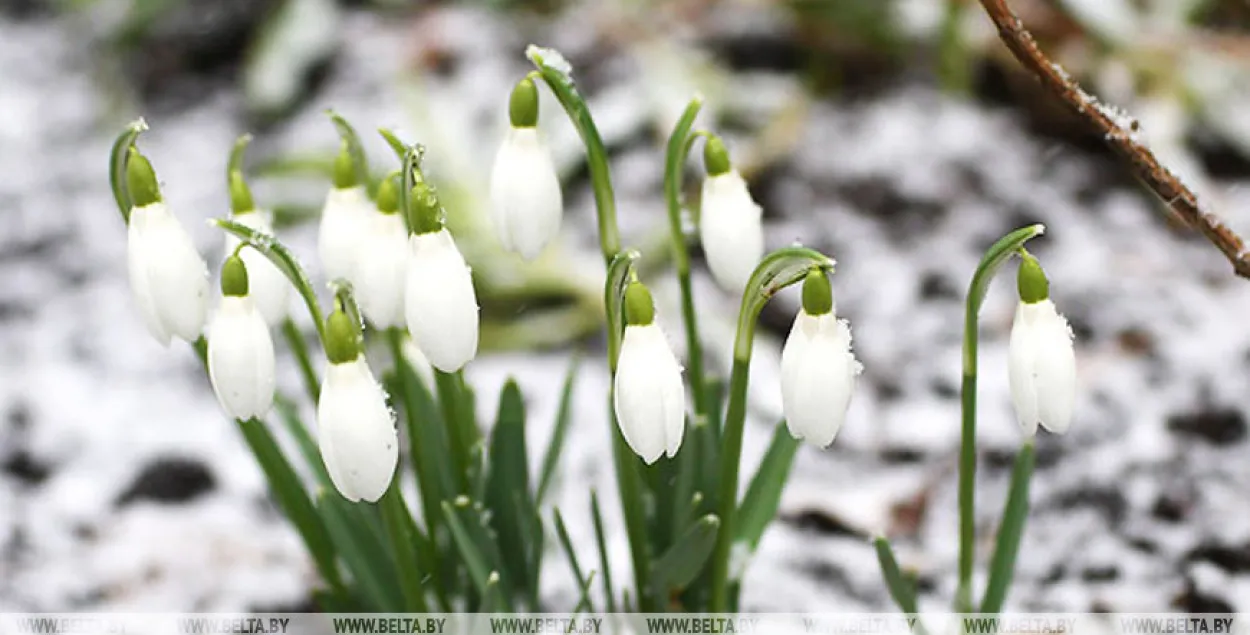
x=526, y=201
x=342, y=221
x=818, y=372
x=441, y=304
x=1041, y=368
x=168, y=275
x=649, y=398
x=381, y=270
x=241, y=359
x=730, y=230
x=356, y=432
x=137, y=253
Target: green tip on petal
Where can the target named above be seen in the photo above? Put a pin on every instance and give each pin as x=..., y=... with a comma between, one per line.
x=425, y=210
x=141, y=179
x=344, y=169
x=817, y=293
x=240, y=194
x=1031, y=280
x=234, y=277
x=639, y=308
x=716, y=156
x=523, y=104
x=342, y=338
x=388, y=194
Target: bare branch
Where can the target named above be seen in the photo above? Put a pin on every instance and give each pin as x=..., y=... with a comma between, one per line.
x=1120, y=132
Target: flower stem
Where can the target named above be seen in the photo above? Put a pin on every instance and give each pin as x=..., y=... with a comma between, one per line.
x=993, y=259
x=727, y=500
x=299, y=348
x=448, y=387
x=678, y=149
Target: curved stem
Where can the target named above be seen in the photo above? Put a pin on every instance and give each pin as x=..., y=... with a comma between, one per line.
x=775, y=272
x=993, y=259
x=679, y=144
x=555, y=71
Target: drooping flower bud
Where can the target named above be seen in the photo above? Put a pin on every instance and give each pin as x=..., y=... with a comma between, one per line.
x=383, y=260
x=440, y=302
x=1041, y=362
x=167, y=275
x=355, y=428
x=343, y=219
x=240, y=350
x=730, y=226
x=818, y=369
x=649, y=398
x=270, y=289
x=526, y=203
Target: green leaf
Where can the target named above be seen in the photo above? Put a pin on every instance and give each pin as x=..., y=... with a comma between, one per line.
x=555, y=70
x=901, y=589
x=360, y=543
x=564, y=414
x=399, y=526
x=294, y=500
x=117, y=165
x=1010, y=531
x=508, y=479
x=235, y=163
x=285, y=261
x=475, y=544
x=759, y=505
x=452, y=404
x=605, y=566
x=295, y=38
x=492, y=597
x=683, y=561
x=288, y=413
x=582, y=582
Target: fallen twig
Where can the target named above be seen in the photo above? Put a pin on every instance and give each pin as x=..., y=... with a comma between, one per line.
x=1120, y=132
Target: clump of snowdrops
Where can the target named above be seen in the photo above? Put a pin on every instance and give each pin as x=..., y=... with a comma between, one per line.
x=474, y=538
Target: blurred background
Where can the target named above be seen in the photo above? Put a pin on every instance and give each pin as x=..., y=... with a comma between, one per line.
x=897, y=135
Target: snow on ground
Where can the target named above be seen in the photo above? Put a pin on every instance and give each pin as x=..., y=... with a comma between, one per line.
x=122, y=487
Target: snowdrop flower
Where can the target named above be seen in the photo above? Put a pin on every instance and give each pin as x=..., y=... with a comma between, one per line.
x=649, y=398
x=240, y=351
x=526, y=203
x=1041, y=363
x=355, y=428
x=268, y=287
x=167, y=275
x=343, y=218
x=383, y=260
x=818, y=369
x=729, y=224
x=440, y=303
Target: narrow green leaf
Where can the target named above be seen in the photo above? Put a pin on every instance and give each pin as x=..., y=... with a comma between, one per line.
x=605, y=566
x=475, y=543
x=532, y=540
x=235, y=163
x=683, y=561
x=509, y=478
x=582, y=582
x=759, y=505
x=294, y=500
x=360, y=544
x=288, y=413
x=285, y=261
x=117, y=165
x=902, y=590
x=564, y=414
x=450, y=403
x=1010, y=531
x=398, y=522
x=492, y=596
